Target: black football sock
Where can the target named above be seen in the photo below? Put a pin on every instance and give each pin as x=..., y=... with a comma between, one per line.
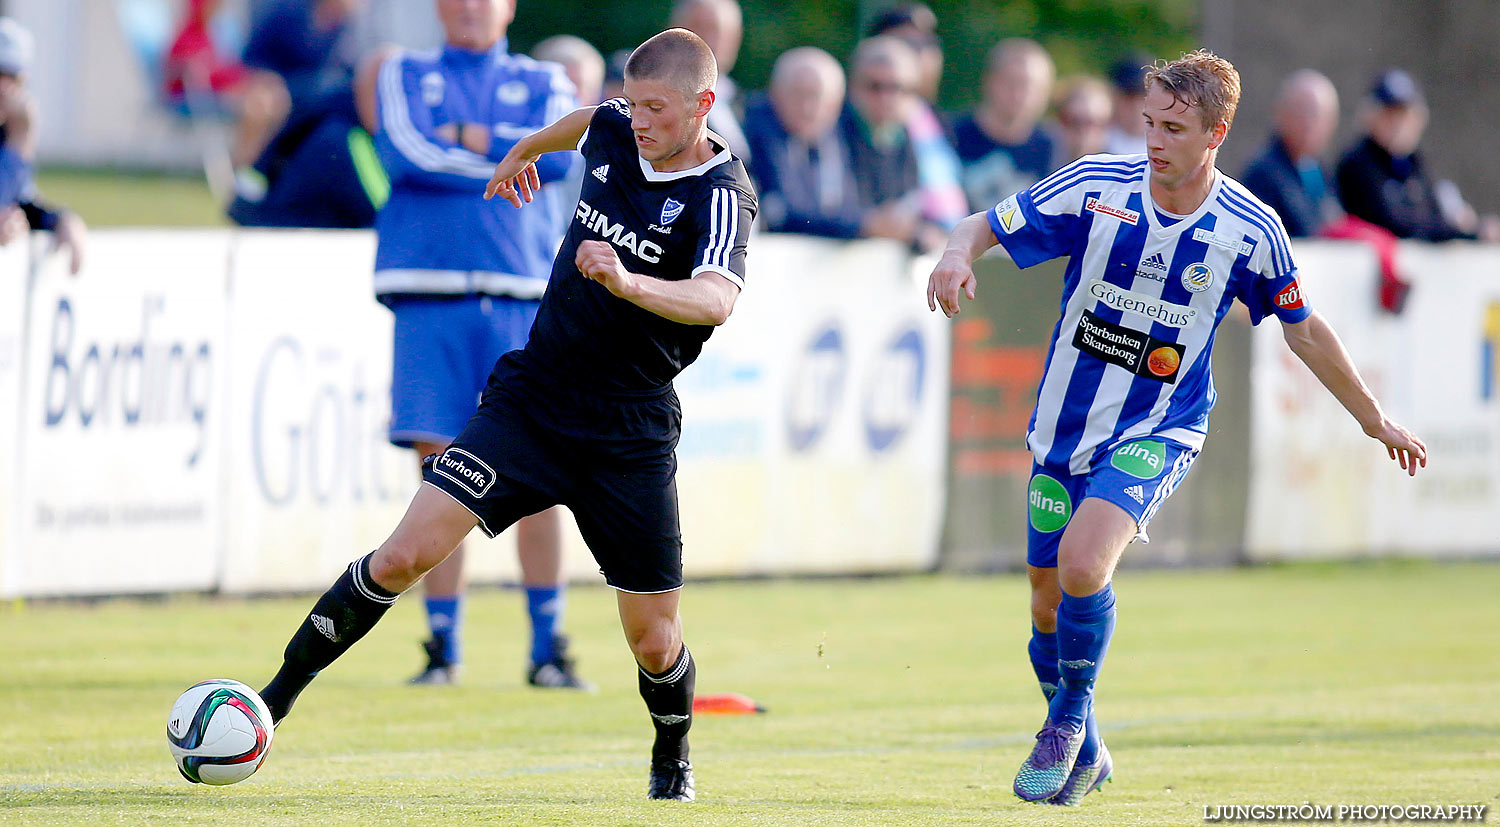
x=669, y=699
x=340, y=617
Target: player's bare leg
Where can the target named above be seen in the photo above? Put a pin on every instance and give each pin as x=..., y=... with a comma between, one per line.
x=1080, y=607
x=433, y=525
x=442, y=597
x=667, y=676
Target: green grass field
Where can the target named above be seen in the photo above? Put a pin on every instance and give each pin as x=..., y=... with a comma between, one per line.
x=120, y=198
x=892, y=701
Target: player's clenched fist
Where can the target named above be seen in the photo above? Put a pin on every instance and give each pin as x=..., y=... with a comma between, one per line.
x=597, y=261
x=951, y=275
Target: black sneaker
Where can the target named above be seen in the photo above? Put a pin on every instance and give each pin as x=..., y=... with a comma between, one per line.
x=671, y=779
x=438, y=672
x=557, y=673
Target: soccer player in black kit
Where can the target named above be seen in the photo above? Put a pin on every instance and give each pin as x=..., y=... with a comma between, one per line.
x=585, y=415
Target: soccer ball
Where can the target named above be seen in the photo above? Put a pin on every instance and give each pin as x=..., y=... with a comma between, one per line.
x=219, y=732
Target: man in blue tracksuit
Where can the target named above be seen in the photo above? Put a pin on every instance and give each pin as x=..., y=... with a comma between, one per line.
x=464, y=275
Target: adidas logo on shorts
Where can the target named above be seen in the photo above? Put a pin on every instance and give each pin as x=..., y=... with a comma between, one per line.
x=1136, y=493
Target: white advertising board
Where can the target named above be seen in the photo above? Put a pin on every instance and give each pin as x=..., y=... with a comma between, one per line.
x=1319, y=486
x=120, y=417
x=14, y=273
x=814, y=424
x=311, y=481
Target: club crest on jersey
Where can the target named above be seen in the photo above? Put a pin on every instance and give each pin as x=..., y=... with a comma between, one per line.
x=513, y=93
x=670, y=210
x=1128, y=216
x=432, y=85
x=1197, y=277
x=1010, y=216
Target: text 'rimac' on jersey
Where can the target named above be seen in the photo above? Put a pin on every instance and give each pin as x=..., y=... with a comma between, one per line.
x=668, y=225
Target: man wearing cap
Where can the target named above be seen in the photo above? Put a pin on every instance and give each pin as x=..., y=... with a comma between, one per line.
x=1382, y=180
x=20, y=210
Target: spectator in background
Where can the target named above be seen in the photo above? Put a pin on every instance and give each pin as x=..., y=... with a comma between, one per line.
x=296, y=44
x=882, y=95
x=463, y=277
x=202, y=82
x=1084, y=113
x=1381, y=179
x=299, y=42
x=938, y=170
x=584, y=66
x=1002, y=145
x=917, y=25
x=721, y=25
x=614, y=74
x=1127, y=136
x=1288, y=175
x=802, y=172
x=20, y=209
x=580, y=61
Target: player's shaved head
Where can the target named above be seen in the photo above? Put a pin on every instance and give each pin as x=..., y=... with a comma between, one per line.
x=678, y=58
x=1202, y=79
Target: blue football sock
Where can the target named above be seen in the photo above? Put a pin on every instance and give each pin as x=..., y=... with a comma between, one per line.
x=1084, y=628
x=1089, y=752
x=545, y=605
x=1043, y=652
x=445, y=617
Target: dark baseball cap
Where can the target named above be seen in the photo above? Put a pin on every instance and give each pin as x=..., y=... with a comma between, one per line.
x=1395, y=87
x=1128, y=74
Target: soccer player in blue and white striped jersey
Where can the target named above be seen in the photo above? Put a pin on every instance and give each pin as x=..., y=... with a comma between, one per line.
x=1159, y=246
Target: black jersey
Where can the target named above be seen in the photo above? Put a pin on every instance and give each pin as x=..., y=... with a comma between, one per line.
x=670, y=225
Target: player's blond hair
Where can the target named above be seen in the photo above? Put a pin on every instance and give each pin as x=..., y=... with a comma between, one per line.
x=1203, y=79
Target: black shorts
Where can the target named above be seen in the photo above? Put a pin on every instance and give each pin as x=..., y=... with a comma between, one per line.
x=609, y=459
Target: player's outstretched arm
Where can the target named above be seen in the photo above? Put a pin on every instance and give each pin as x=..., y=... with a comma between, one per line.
x=707, y=299
x=1318, y=346
x=515, y=178
x=955, y=270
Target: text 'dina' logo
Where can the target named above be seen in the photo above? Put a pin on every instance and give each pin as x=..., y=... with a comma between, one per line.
x=467, y=470
x=1290, y=297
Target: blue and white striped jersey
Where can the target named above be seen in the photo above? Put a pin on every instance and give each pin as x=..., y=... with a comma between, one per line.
x=1143, y=294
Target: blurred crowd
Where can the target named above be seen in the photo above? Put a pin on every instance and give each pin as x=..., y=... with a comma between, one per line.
x=838, y=149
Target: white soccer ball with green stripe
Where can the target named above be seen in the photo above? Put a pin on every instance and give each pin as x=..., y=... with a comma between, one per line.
x=219, y=732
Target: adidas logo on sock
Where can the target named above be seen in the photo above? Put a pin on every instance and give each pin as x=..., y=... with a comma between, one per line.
x=670, y=719
x=1136, y=493
x=325, y=626
x=602, y=173
x=1075, y=664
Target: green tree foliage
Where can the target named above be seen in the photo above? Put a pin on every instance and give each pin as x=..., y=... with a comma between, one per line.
x=1082, y=35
